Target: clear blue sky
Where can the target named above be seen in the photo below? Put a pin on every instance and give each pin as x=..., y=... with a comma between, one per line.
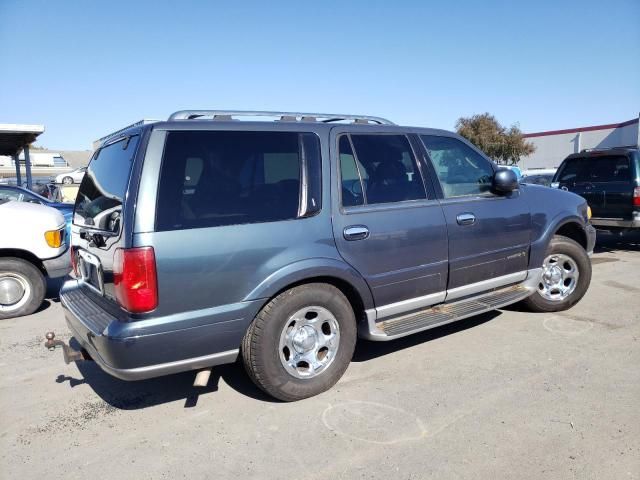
x=86, y=68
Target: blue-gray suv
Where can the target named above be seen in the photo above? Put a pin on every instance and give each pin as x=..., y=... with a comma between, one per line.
x=213, y=236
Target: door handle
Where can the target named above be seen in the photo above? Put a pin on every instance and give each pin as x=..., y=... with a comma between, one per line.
x=356, y=232
x=466, y=219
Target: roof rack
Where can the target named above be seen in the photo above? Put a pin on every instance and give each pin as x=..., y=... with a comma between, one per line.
x=283, y=116
x=604, y=149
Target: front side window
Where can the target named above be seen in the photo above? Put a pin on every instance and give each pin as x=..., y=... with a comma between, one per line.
x=460, y=169
x=378, y=169
x=216, y=178
x=572, y=170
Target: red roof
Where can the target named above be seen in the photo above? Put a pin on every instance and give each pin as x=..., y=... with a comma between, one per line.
x=581, y=129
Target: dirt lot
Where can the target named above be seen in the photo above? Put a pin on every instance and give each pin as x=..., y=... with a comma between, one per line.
x=504, y=395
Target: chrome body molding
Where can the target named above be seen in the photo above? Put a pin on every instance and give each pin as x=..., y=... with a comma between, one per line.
x=408, y=305
x=522, y=285
x=473, y=288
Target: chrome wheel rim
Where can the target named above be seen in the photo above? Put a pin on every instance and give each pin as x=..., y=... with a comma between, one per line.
x=15, y=291
x=67, y=180
x=559, y=277
x=309, y=342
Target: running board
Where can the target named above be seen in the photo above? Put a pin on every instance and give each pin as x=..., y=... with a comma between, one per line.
x=444, y=313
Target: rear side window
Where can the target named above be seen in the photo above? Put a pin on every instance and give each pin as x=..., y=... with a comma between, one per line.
x=382, y=170
x=216, y=178
x=102, y=191
x=460, y=169
x=600, y=169
x=615, y=168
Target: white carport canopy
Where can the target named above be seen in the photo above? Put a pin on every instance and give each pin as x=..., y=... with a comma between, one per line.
x=13, y=139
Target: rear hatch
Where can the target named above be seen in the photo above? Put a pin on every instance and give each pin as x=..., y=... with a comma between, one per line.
x=605, y=180
x=97, y=230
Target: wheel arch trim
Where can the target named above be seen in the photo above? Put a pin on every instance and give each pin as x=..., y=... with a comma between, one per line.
x=539, y=245
x=309, y=270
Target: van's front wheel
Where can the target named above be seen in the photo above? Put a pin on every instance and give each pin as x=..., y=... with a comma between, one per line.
x=22, y=288
x=301, y=342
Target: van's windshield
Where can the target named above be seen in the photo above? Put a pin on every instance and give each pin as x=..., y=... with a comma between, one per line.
x=102, y=191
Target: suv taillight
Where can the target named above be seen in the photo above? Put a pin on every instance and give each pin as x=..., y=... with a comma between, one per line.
x=636, y=197
x=134, y=279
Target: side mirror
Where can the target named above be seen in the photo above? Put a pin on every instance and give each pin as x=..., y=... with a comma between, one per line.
x=505, y=180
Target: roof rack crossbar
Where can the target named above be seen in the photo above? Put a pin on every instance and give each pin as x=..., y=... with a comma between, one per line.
x=602, y=149
x=294, y=116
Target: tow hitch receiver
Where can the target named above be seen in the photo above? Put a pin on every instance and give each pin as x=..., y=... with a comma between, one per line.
x=69, y=354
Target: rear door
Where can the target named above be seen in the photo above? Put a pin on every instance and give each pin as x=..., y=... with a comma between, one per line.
x=97, y=221
x=489, y=234
x=386, y=224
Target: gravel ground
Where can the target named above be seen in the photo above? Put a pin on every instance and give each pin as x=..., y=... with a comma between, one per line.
x=503, y=395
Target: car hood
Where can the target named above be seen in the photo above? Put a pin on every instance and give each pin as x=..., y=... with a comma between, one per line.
x=14, y=213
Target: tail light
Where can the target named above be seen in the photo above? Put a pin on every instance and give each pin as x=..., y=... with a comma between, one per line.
x=134, y=279
x=636, y=197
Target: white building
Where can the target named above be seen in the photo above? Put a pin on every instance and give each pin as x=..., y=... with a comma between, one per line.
x=553, y=146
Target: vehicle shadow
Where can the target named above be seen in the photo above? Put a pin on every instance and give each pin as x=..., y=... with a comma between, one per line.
x=179, y=387
x=607, y=242
x=141, y=394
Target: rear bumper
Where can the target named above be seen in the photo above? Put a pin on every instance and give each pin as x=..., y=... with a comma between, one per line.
x=58, y=266
x=125, y=350
x=609, y=222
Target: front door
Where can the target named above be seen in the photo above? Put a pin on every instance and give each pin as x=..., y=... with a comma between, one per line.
x=387, y=224
x=489, y=234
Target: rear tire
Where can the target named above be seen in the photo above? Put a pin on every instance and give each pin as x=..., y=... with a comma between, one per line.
x=564, y=258
x=22, y=288
x=67, y=180
x=301, y=342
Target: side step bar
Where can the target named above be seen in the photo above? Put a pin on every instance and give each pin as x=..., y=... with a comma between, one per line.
x=444, y=313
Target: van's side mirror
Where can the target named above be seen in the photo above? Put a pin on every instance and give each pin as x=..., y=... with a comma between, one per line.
x=505, y=180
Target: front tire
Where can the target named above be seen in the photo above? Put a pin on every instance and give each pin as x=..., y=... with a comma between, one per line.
x=67, y=180
x=22, y=288
x=301, y=342
x=565, y=278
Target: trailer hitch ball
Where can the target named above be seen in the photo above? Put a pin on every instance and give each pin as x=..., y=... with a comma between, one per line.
x=51, y=343
x=68, y=353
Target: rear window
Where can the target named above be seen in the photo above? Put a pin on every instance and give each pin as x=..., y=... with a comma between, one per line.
x=102, y=191
x=600, y=169
x=211, y=179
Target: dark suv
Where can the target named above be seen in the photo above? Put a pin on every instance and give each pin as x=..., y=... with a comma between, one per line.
x=203, y=238
x=609, y=180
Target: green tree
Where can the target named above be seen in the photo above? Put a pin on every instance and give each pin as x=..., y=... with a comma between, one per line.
x=504, y=145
